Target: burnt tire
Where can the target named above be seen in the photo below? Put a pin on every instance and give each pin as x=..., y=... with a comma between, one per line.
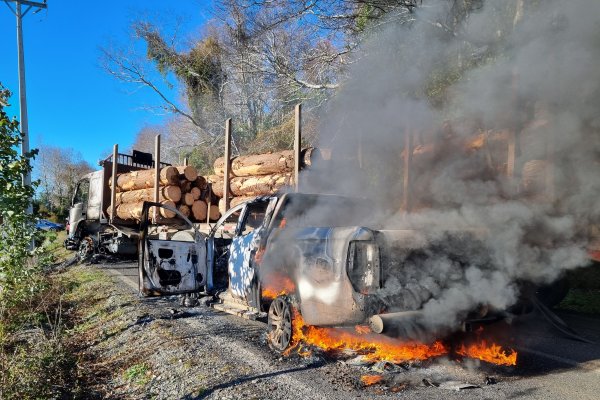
x=85, y=251
x=279, y=334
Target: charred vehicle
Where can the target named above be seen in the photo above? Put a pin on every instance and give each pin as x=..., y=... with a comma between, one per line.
x=281, y=254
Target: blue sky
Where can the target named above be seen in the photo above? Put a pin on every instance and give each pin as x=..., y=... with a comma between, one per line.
x=72, y=101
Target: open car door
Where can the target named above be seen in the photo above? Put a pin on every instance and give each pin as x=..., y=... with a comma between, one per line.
x=172, y=257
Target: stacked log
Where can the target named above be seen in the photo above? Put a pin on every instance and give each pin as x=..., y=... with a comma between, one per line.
x=266, y=164
x=252, y=185
x=183, y=189
x=258, y=174
x=180, y=187
x=144, y=179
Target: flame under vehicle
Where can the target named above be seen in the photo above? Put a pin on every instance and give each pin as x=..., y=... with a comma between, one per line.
x=273, y=256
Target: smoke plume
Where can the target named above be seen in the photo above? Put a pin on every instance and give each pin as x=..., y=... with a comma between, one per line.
x=461, y=85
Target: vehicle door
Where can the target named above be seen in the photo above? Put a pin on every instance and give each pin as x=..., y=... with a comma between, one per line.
x=241, y=268
x=172, y=257
x=77, y=213
x=94, y=202
x=218, y=243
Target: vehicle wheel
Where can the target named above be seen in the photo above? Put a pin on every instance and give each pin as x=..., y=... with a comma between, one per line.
x=279, y=335
x=85, y=250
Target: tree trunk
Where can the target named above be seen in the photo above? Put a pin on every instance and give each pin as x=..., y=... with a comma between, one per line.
x=195, y=192
x=234, y=202
x=200, y=183
x=199, y=210
x=188, y=172
x=263, y=164
x=129, y=211
x=144, y=179
x=188, y=199
x=170, y=192
x=254, y=185
x=185, y=185
x=185, y=210
x=215, y=214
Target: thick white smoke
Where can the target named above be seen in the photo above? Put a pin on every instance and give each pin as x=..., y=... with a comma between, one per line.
x=461, y=90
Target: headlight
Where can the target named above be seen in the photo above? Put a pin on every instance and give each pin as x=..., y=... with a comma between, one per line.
x=363, y=266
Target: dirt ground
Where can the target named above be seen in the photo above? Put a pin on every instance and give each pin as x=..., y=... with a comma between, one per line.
x=154, y=348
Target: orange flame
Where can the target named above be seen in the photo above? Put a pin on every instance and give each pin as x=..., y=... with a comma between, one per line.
x=493, y=354
x=369, y=380
x=362, y=329
x=374, y=347
x=278, y=287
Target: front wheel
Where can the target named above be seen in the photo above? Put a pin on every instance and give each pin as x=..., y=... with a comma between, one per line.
x=85, y=250
x=279, y=333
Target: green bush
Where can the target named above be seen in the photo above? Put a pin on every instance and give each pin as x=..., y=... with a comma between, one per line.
x=19, y=271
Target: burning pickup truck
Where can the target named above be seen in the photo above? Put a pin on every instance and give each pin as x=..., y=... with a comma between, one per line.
x=284, y=254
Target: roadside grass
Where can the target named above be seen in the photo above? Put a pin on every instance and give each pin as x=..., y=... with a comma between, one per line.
x=35, y=361
x=138, y=374
x=584, y=292
x=43, y=340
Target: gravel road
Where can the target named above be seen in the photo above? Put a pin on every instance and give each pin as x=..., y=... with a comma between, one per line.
x=200, y=353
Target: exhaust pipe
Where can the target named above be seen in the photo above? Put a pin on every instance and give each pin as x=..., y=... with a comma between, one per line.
x=400, y=324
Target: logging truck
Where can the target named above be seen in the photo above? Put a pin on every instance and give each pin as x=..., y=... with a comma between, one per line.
x=105, y=209
x=89, y=226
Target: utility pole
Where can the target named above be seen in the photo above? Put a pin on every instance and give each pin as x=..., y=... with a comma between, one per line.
x=24, y=124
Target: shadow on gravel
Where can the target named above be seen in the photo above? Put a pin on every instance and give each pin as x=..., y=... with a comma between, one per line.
x=247, y=378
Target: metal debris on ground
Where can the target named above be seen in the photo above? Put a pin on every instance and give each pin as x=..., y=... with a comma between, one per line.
x=455, y=385
x=359, y=361
x=450, y=385
x=385, y=366
x=490, y=380
x=143, y=319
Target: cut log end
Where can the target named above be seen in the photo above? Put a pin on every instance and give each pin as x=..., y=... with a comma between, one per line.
x=188, y=172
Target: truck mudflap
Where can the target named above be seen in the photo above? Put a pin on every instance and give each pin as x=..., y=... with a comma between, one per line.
x=172, y=260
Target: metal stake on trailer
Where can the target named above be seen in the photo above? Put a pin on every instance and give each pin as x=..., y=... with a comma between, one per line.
x=156, y=173
x=227, y=164
x=209, y=202
x=113, y=186
x=297, y=145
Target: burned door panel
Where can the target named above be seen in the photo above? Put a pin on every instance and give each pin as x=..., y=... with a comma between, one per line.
x=172, y=266
x=173, y=260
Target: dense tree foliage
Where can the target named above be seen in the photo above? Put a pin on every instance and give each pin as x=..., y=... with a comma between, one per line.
x=256, y=59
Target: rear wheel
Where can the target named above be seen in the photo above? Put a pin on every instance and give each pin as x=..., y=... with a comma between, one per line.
x=280, y=324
